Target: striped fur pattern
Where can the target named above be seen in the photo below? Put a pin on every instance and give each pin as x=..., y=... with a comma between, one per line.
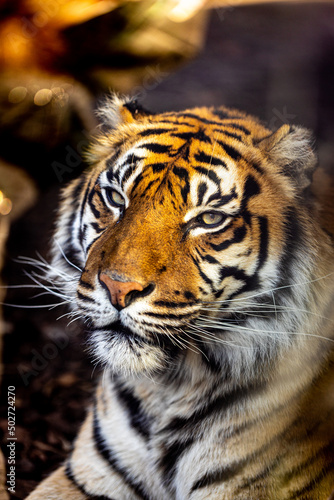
x=218, y=369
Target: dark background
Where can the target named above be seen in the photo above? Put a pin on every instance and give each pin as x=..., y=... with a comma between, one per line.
x=274, y=61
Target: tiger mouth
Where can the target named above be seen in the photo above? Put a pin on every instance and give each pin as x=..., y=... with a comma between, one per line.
x=117, y=328
x=122, y=333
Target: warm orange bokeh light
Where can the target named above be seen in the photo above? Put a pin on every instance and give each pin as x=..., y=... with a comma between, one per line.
x=5, y=204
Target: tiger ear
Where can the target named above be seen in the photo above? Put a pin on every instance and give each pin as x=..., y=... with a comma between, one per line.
x=291, y=149
x=116, y=110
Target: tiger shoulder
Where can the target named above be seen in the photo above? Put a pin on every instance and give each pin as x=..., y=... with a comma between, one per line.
x=198, y=251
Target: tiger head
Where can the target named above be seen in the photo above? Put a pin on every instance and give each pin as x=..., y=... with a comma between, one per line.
x=184, y=224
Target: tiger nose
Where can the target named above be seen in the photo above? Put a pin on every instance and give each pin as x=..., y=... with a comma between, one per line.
x=119, y=291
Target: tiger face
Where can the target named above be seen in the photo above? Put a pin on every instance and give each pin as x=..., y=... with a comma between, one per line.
x=183, y=219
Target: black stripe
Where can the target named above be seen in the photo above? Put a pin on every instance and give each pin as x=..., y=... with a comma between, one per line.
x=223, y=199
x=200, y=135
x=156, y=148
x=137, y=180
x=209, y=173
x=83, y=206
x=256, y=167
x=182, y=152
x=176, y=121
x=183, y=175
x=250, y=282
x=136, y=109
x=216, y=364
x=165, y=303
x=84, y=298
x=96, y=227
x=69, y=474
x=171, y=454
x=186, y=136
x=139, y=420
x=230, y=150
x=294, y=238
x=128, y=171
x=313, y=483
x=201, y=190
x=210, y=409
x=210, y=259
x=83, y=232
x=302, y=468
x=87, y=285
x=92, y=243
x=110, y=456
x=239, y=235
x=268, y=469
x=169, y=315
x=95, y=211
x=227, y=271
x=99, y=195
x=72, y=256
x=198, y=118
x=264, y=240
x=156, y=167
x=237, y=127
x=232, y=135
x=148, y=187
x=220, y=113
x=76, y=191
x=211, y=160
x=202, y=275
x=170, y=187
x=110, y=164
x=218, y=476
x=251, y=188
x=228, y=472
x=155, y=131
x=215, y=196
x=72, y=219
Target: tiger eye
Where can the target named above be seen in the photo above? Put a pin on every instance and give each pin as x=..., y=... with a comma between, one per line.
x=115, y=198
x=211, y=218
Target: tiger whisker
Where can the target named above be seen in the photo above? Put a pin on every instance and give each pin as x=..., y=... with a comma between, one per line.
x=69, y=314
x=264, y=292
x=228, y=327
x=25, y=306
x=48, y=289
x=41, y=264
x=67, y=260
x=265, y=308
x=190, y=345
x=274, y=303
x=199, y=332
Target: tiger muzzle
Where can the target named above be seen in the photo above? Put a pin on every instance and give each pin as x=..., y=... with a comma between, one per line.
x=123, y=293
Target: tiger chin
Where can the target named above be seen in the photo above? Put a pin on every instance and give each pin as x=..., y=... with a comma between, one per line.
x=199, y=253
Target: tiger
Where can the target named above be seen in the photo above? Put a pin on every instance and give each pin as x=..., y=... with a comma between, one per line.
x=201, y=261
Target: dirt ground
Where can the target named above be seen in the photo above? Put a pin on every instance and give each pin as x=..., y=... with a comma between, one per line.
x=276, y=62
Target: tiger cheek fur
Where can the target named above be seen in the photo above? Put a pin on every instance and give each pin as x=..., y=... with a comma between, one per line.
x=194, y=251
